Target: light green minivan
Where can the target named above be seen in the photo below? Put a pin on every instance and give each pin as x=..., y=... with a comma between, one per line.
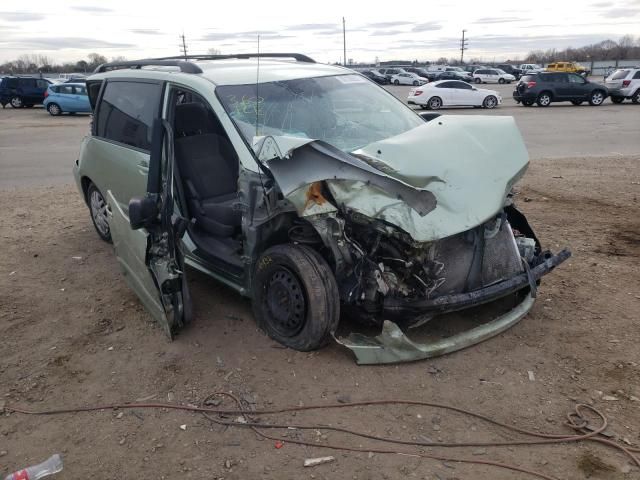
x=312, y=191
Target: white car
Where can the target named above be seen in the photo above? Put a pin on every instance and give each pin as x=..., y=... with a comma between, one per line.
x=530, y=68
x=492, y=75
x=406, y=78
x=453, y=93
x=624, y=83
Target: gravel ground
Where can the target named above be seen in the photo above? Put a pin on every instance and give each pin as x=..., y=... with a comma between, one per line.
x=73, y=334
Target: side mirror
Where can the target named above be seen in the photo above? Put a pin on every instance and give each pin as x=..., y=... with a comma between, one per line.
x=143, y=211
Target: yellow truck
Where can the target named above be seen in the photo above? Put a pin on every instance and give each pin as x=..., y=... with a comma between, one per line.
x=571, y=67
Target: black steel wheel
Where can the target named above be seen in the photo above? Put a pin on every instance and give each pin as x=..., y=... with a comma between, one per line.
x=295, y=297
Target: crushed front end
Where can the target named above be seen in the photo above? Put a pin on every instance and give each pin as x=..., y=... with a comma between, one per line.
x=417, y=226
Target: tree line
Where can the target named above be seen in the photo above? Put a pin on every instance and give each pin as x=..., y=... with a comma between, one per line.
x=34, y=63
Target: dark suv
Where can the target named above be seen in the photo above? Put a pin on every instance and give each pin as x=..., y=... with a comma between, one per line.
x=516, y=72
x=23, y=91
x=546, y=87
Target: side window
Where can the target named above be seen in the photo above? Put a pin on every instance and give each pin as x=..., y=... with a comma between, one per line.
x=637, y=75
x=28, y=82
x=65, y=89
x=126, y=112
x=464, y=86
x=573, y=78
x=78, y=90
x=42, y=84
x=94, y=91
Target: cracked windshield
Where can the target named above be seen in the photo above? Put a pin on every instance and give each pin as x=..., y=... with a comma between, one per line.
x=346, y=111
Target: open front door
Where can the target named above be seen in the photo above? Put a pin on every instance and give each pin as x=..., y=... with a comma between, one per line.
x=147, y=241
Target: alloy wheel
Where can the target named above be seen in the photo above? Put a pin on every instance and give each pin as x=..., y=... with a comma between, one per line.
x=16, y=102
x=98, y=208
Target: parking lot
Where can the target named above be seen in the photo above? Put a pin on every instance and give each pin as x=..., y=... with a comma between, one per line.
x=74, y=333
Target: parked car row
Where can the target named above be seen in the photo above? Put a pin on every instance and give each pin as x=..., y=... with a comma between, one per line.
x=57, y=98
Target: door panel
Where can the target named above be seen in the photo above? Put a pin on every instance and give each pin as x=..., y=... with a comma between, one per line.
x=131, y=251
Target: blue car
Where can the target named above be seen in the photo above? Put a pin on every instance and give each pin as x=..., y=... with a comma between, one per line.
x=67, y=97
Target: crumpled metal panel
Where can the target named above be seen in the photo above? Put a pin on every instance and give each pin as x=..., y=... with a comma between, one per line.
x=393, y=346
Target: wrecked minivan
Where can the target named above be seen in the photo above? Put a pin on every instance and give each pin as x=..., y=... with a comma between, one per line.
x=312, y=191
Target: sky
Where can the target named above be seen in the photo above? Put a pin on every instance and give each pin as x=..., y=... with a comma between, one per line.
x=383, y=29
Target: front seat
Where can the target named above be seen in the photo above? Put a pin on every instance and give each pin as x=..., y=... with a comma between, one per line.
x=210, y=177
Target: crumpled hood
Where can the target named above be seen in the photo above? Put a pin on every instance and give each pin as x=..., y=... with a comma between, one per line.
x=467, y=162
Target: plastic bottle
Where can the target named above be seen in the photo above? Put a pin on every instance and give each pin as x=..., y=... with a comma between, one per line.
x=50, y=466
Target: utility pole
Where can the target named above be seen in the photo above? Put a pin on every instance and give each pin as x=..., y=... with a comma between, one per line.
x=463, y=46
x=183, y=47
x=344, y=43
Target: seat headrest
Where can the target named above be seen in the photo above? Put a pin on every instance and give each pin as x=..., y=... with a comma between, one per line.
x=191, y=119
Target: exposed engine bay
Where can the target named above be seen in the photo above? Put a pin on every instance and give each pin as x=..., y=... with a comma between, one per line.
x=376, y=262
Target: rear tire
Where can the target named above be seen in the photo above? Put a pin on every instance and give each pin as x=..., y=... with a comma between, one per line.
x=295, y=297
x=16, y=102
x=636, y=97
x=98, y=210
x=54, y=109
x=596, y=98
x=617, y=99
x=544, y=99
x=434, y=103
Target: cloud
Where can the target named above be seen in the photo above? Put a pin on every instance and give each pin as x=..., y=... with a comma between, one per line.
x=500, y=19
x=91, y=9
x=146, y=31
x=59, y=43
x=217, y=36
x=21, y=16
x=602, y=4
x=387, y=24
x=378, y=33
x=621, y=12
x=312, y=26
x=426, y=27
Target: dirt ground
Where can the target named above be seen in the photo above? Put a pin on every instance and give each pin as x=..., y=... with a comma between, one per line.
x=73, y=333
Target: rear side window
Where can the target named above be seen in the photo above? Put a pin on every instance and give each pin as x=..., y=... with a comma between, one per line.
x=28, y=82
x=65, y=89
x=637, y=75
x=620, y=74
x=528, y=78
x=94, y=91
x=126, y=112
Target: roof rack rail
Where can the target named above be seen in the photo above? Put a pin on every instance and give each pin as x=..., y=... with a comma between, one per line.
x=186, y=67
x=297, y=56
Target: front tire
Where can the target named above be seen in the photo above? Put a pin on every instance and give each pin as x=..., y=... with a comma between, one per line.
x=490, y=102
x=434, y=103
x=597, y=98
x=98, y=209
x=54, y=109
x=477, y=80
x=295, y=297
x=16, y=102
x=501, y=81
x=396, y=82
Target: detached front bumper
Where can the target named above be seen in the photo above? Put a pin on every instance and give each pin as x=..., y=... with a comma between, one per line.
x=393, y=346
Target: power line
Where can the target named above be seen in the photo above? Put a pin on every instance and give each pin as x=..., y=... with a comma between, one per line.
x=463, y=46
